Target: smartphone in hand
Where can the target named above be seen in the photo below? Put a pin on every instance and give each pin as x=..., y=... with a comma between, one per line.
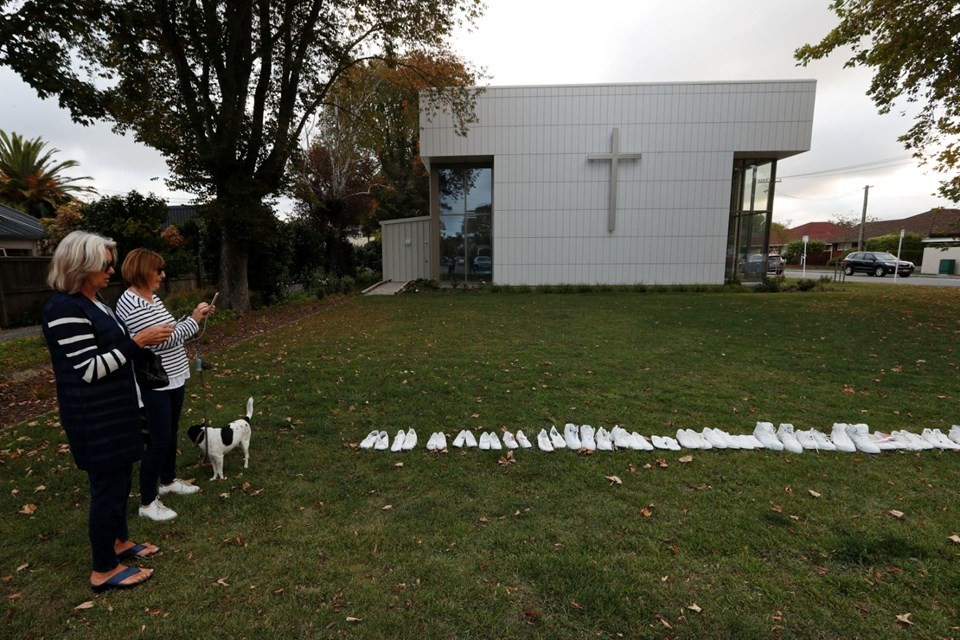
x=215, y=296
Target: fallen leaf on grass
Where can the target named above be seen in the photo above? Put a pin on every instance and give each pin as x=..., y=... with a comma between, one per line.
x=614, y=479
x=954, y=538
x=685, y=459
x=84, y=605
x=27, y=564
x=848, y=389
x=646, y=512
x=788, y=491
x=398, y=464
x=222, y=582
x=904, y=618
x=576, y=605
x=352, y=619
x=694, y=607
x=813, y=493
x=665, y=623
x=387, y=507
x=776, y=508
x=661, y=463
x=28, y=509
x=40, y=488
x=895, y=513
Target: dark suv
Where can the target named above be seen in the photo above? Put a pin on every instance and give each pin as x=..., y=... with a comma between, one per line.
x=876, y=263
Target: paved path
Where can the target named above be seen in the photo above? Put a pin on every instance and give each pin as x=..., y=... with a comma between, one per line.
x=7, y=335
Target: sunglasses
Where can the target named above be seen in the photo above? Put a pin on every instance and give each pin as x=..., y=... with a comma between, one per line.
x=106, y=266
x=159, y=270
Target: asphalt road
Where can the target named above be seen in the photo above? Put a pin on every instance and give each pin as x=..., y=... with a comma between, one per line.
x=916, y=280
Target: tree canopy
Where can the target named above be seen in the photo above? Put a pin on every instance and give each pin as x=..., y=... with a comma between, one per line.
x=911, y=45
x=222, y=88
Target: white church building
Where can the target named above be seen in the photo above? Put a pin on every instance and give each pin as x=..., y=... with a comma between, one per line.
x=604, y=184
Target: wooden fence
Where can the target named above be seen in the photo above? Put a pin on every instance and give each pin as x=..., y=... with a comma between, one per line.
x=24, y=290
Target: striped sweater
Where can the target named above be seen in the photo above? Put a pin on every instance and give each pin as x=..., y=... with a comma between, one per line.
x=92, y=361
x=138, y=314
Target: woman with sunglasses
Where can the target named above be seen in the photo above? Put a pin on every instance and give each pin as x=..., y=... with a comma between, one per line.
x=92, y=354
x=139, y=307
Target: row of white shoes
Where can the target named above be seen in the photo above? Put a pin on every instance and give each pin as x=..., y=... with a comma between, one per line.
x=843, y=437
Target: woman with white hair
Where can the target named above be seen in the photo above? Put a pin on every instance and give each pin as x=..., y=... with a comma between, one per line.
x=92, y=354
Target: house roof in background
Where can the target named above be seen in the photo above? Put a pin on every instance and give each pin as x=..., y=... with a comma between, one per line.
x=936, y=223
x=16, y=225
x=823, y=231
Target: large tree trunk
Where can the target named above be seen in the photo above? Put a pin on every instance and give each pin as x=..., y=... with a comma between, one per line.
x=234, y=291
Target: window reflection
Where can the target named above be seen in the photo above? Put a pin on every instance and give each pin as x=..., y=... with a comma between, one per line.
x=466, y=223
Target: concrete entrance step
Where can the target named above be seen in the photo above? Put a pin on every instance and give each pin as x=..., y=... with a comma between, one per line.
x=386, y=288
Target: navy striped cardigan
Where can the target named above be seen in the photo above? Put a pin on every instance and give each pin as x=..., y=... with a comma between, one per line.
x=93, y=363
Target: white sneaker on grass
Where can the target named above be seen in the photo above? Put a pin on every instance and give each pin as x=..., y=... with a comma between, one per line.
x=767, y=436
x=370, y=440
x=823, y=440
x=787, y=437
x=543, y=441
x=484, y=441
x=954, y=433
x=441, y=441
x=178, y=487
x=556, y=439
x=410, y=442
x=398, y=441
x=460, y=439
x=587, y=440
x=640, y=443
x=805, y=438
x=621, y=439
x=469, y=439
x=571, y=436
x=495, y=442
x=716, y=440
x=157, y=512
x=522, y=440
x=383, y=442
x=509, y=440
x=604, y=442
x=860, y=436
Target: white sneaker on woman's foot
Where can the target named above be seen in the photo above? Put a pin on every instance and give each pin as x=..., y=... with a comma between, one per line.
x=178, y=487
x=157, y=512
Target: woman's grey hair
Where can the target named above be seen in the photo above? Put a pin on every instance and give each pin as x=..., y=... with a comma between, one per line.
x=76, y=257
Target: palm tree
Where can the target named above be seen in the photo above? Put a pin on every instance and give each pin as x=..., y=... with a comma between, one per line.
x=30, y=180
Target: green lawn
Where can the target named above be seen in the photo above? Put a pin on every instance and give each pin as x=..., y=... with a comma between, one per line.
x=319, y=539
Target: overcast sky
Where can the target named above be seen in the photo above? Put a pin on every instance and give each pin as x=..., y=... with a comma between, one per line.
x=529, y=42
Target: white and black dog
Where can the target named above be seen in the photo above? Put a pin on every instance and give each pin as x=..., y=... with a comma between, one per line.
x=218, y=442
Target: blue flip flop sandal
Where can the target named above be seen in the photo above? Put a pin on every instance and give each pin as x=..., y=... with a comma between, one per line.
x=116, y=581
x=136, y=552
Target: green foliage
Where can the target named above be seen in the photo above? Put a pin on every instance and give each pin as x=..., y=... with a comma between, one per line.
x=133, y=221
x=30, y=180
x=911, y=249
x=793, y=252
x=911, y=46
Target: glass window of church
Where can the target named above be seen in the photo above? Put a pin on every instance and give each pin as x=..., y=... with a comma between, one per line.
x=466, y=223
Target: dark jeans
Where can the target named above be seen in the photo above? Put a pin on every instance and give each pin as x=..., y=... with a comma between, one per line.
x=163, y=420
x=108, y=514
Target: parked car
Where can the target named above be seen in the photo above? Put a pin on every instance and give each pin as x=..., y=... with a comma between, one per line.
x=755, y=264
x=483, y=263
x=876, y=263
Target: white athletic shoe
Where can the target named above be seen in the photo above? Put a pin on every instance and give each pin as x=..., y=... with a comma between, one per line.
x=556, y=439
x=604, y=443
x=954, y=433
x=860, y=435
x=178, y=487
x=789, y=440
x=370, y=440
x=543, y=441
x=686, y=441
x=659, y=443
x=432, y=442
x=621, y=439
x=885, y=441
x=441, y=441
x=410, y=442
x=905, y=441
x=469, y=439
x=460, y=439
x=824, y=443
x=716, y=440
x=806, y=440
x=484, y=441
x=587, y=438
x=383, y=442
x=915, y=439
x=495, y=442
x=157, y=512
x=671, y=443
x=640, y=443
x=767, y=436
x=522, y=440
x=509, y=440
x=571, y=436
x=398, y=441
x=937, y=439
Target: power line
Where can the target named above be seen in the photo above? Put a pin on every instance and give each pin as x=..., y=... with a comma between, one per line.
x=853, y=168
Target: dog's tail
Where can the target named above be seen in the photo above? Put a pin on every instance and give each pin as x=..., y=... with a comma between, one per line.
x=250, y=409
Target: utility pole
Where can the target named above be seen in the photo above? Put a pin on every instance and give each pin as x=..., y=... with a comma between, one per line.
x=863, y=217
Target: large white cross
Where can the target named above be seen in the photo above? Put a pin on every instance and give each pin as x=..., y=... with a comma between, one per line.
x=614, y=157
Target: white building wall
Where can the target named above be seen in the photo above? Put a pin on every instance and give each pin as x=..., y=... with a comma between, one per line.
x=550, y=203
x=933, y=255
